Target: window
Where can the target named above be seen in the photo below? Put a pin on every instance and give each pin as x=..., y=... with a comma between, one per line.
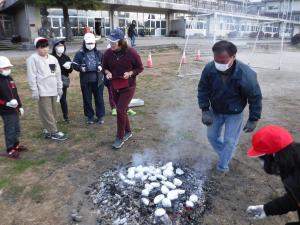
x=55, y=22
x=91, y=22
x=82, y=22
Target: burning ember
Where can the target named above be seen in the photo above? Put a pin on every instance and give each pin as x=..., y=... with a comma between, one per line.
x=161, y=194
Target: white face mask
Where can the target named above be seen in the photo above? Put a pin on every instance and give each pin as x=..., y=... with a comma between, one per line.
x=60, y=50
x=6, y=72
x=90, y=46
x=222, y=67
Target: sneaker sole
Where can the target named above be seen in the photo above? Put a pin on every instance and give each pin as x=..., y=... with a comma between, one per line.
x=118, y=147
x=58, y=139
x=128, y=138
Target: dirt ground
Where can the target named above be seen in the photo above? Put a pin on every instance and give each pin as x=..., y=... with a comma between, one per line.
x=50, y=181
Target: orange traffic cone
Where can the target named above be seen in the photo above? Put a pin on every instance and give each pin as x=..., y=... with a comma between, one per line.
x=183, y=58
x=149, y=61
x=198, y=56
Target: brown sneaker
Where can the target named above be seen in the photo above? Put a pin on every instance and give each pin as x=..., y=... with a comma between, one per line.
x=217, y=174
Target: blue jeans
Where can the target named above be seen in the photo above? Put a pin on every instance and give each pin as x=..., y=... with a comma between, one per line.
x=225, y=146
x=132, y=41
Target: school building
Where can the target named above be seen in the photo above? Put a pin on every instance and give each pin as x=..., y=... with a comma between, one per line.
x=207, y=18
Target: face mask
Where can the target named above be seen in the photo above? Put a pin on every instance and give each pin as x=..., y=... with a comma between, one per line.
x=90, y=46
x=6, y=72
x=222, y=67
x=60, y=50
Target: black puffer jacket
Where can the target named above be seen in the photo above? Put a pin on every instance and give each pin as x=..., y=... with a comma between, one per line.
x=8, y=91
x=286, y=164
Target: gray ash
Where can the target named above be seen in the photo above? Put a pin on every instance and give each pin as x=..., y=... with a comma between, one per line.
x=118, y=199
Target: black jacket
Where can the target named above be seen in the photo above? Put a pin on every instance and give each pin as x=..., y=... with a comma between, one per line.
x=288, y=202
x=80, y=59
x=8, y=91
x=62, y=60
x=131, y=31
x=232, y=96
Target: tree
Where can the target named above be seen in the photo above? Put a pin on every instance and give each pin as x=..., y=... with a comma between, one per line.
x=65, y=5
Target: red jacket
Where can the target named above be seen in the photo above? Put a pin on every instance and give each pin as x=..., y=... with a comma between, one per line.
x=120, y=62
x=8, y=91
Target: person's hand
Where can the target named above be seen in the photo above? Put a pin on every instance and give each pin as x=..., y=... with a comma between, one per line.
x=256, y=212
x=12, y=103
x=99, y=68
x=60, y=92
x=21, y=111
x=127, y=75
x=83, y=68
x=67, y=65
x=108, y=75
x=207, y=118
x=250, y=126
x=35, y=95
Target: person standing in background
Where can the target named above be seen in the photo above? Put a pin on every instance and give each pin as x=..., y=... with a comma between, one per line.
x=59, y=52
x=132, y=33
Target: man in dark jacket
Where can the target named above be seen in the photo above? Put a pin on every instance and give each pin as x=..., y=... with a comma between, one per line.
x=10, y=109
x=132, y=32
x=281, y=156
x=88, y=61
x=225, y=88
x=59, y=52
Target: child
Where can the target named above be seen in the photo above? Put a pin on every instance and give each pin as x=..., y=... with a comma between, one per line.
x=44, y=78
x=10, y=109
x=59, y=49
x=281, y=156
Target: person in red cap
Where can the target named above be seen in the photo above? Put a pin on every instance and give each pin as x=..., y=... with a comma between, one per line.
x=281, y=156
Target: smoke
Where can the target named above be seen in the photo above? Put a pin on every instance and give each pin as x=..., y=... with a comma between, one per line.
x=185, y=140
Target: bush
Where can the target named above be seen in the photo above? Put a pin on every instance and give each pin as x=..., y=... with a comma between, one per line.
x=254, y=35
x=276, y=35
x=233, y=34
x=296, y=39
x=268, y=35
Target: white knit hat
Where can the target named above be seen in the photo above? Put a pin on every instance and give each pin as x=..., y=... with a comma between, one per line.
x=89, y=38
x=4, y=62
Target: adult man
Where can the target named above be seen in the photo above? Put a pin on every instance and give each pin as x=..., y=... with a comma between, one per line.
x=225, y=88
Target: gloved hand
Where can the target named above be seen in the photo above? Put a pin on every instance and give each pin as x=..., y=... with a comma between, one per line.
x=256, y=212
x=60, y=92
x=207, y=118
x=12, y=103
x=35, y=95
x=83, y=68
x=250, y=126
x=99, y=68
x=21, y=110
x=67, y=65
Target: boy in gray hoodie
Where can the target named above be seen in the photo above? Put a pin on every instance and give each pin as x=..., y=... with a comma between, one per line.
x=44, y=77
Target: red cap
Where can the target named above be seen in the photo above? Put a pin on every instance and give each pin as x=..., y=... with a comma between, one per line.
x=269, y=140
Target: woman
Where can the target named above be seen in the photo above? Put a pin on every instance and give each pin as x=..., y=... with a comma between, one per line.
x=121, y=65
x=88, y=61
x=281, y=156
x=58, y=51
